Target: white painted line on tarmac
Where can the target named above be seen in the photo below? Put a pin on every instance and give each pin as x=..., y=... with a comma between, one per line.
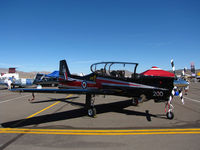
x=192, y=99
x=14, y=99
x=1, y=94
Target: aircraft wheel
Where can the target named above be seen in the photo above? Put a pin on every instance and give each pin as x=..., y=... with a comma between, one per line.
x=170, y=115
x=135, y=102
x=92, y=112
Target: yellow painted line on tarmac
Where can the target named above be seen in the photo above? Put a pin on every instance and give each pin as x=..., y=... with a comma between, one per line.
x=46, y=108
x=101, y=132
x=42, y=110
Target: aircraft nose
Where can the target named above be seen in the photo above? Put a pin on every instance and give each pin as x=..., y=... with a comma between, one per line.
x=181, y=83
x=187, y=83
x=184, y=82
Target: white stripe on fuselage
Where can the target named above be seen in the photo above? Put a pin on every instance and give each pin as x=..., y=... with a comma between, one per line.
x=127, y=84
x=117, y=83
x=142, y=86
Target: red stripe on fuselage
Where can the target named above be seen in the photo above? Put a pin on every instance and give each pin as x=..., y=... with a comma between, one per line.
x=78, y=84
x=115, y=82
x=98, y=84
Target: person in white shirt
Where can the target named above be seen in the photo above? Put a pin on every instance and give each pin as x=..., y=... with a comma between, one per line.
x=9, y=84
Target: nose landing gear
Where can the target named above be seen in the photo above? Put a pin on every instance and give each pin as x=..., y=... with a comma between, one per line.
x=170, y=115
x=170, y=107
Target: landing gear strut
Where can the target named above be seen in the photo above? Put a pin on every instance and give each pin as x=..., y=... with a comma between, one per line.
x=32, y=98
x=89, y=105
x=137, y=100
x=169, y=114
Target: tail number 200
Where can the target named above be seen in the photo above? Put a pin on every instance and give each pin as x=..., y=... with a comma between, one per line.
x=158, y=93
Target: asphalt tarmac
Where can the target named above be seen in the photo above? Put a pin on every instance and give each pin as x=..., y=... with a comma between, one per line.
x=59, y=121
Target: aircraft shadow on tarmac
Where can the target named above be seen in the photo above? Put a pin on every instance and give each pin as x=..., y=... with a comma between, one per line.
x=55, y=100
x=118, y=107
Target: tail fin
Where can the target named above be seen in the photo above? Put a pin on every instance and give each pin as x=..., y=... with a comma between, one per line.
x=64, y=70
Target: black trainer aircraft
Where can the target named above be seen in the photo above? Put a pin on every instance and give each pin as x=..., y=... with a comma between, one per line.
x=107, y=78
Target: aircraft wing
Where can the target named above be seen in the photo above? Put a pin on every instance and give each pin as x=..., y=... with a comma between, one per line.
x=66, y=91
x=105, y=91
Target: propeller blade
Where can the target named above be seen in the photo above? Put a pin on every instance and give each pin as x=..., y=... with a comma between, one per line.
x=184, y=71
x=173, y=67
x=172, y=94
x=181, y=96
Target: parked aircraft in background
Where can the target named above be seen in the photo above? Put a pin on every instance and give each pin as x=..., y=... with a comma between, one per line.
x=45, y=80
x=194, y=76
x=198, y=76
x=14, y=77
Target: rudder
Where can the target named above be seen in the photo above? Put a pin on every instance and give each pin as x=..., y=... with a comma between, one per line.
x=64, y=70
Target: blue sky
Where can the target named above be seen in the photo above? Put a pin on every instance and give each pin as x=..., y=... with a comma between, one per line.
x=35, y=35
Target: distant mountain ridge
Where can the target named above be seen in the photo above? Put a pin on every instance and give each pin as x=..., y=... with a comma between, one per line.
x=23, y=74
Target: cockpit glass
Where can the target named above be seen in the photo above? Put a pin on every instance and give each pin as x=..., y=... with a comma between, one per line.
x=114, y=69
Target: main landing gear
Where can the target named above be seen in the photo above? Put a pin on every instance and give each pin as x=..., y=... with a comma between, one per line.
x=89, y=105
x=135, y=101
x=33, y=95
x=170, y=115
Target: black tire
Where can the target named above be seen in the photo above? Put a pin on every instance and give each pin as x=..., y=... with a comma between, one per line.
x=92, y=112
x=135, y=102
x=170, y=115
